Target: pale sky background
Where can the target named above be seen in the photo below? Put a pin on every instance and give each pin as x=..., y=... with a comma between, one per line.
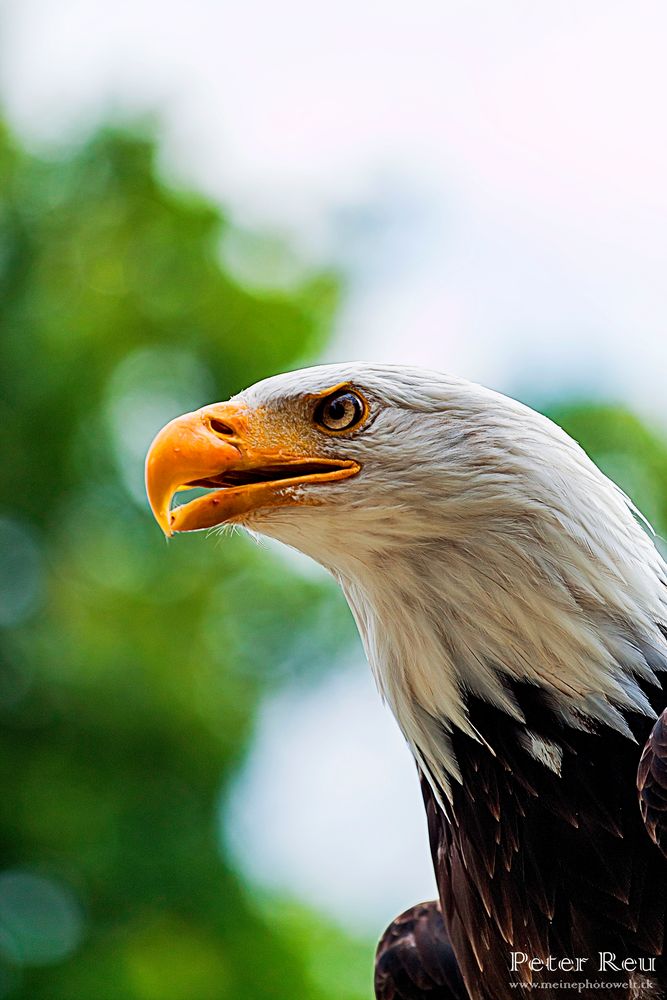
x=492, y=179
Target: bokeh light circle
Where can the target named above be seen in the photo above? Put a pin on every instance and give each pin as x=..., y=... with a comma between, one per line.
x=40, y=920
x=20, y=572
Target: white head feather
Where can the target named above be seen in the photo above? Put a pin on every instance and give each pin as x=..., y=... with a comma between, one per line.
x=478, y=545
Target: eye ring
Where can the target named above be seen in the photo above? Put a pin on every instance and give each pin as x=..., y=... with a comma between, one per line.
x=341, y=411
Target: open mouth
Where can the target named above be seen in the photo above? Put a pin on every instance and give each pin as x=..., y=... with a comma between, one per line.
x=237, y=492
x=269, y=474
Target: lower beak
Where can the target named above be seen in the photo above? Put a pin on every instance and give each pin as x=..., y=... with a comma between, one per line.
x=210, y=448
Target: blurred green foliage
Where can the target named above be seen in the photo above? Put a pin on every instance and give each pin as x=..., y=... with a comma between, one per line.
x=130, y=670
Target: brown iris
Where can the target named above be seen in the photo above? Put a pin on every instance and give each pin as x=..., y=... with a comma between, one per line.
x=340, y=412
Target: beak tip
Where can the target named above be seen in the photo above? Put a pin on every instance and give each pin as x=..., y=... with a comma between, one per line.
x=164, y=519
x=159, y=491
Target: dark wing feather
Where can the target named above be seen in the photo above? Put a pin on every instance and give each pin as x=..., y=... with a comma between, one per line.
x=415, y=961
x=544, y=861
x=652, y=783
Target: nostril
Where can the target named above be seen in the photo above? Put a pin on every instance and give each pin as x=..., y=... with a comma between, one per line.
x=221, y=428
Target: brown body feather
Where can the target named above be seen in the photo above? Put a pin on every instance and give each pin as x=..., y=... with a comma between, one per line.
x=652, y=783
x=415, y=959
x=545, y=863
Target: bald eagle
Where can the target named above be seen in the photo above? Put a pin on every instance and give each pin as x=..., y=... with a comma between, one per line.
x=513, y=608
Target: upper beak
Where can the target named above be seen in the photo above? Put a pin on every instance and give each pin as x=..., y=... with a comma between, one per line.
x=185, y=450
x=211, y=447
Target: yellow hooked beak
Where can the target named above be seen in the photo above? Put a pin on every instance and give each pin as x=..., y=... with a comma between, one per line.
x=224, y=448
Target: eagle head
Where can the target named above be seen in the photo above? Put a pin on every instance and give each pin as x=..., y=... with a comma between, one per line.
x=476, y=543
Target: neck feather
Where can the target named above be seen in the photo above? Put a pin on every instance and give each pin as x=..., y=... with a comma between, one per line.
x=539, y=599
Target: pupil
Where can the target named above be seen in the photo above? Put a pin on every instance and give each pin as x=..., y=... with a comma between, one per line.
x=337, y=410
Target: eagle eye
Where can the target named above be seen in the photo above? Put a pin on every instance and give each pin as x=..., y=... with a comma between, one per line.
x=340, y=412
